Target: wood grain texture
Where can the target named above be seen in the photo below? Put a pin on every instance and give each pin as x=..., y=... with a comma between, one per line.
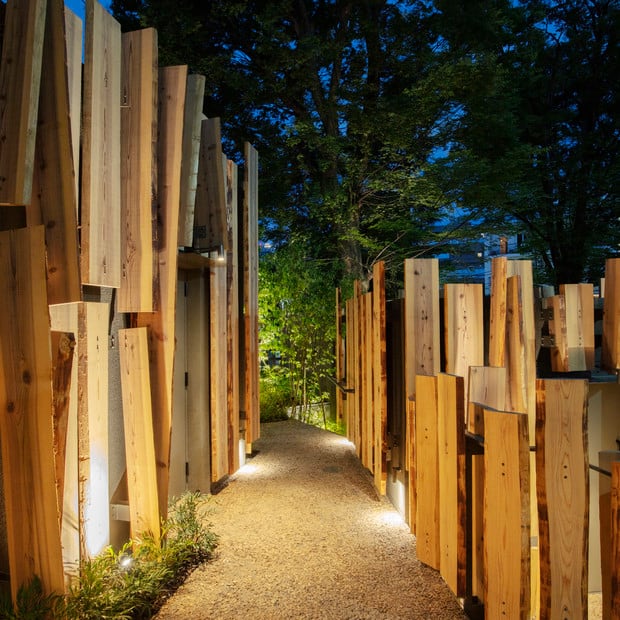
x=191, y=150
x=452, y=488
x=101, y=150
x=137, y=421
x=379, y=355
x=506, y=516
x=422, y=348
x=249, y=268
x=339, y=355
x=139, y=73
x=516, y=374
x=615, y=541
x=20, y=81
x=579, y=300
x=357, y=354
x=497, y=319
x=412, y=494
x=610, y=348
x=54, y=201
x=161, y=323
x=26, y=429
x=427, y=472
x=367, y=386
x=487, y=387
x=558, y=329
x=73, y=38
x=563, y=496
x=218, y=372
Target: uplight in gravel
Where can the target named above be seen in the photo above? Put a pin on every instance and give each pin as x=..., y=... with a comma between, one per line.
x=248, y=469
x=390, y=517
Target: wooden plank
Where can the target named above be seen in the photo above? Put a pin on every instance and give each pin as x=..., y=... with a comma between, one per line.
x=427, y=476
x=367, y=383
x=609, y=559
x=412, y=494
x=422, y=353
x=210, y=205
x=339, y=354
x=89, y=322
x=615, y=541
x=137, y=421
x=218, y=372
x=54, y=201
x=487, y=386
x=452, y=487
x=250, y=294
x=26, y=431
x=464, y=328
x=138, y=172
x=357, y=352
x=379, y=376
x=563, y=496
x=516, y=375
x=497, y=319
x=73, y=38
x=558, y=329
x=101, y=150
x=191, y=149
x=579, y=325
x=232, y=314
x=20, y=81
x=610, y=348
x=161, y=323
x=506, y=516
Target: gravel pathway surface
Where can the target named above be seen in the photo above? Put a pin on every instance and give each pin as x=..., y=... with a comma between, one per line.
x=304, y=535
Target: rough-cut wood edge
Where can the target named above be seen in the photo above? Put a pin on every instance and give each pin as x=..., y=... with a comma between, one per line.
x=379, y=377
x=487, y=386
x=137, y=421
x=54, y=201
x=101, y=150
x=497, y=319
x=161, y=323
x=73, y=30
x=367, y=385
x=63, y=345
x=191, y=150
x=26, y=426
x=20, y=81
x=610, y=349
x=563, y=560
x=139, y=267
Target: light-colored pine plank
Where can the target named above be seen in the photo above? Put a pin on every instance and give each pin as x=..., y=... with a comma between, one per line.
x=73, y=31
x=452, y=488
x=579, y=325
x=101, y=150
x=563, y=497
x=54, y=201
x=506, y=516
x=218, y=372
x=497, y=319
x=161, y=323
x=137, y=421
x=20, y=81
x=516, y=376
x=26, y=429
x=210, y=205
x=558, y=329
x=427, y=472
x=422, y=356
x=615, y=541
x=138, y=171
x=412, y=494
x=348, y=403
x=610, y=348
x=250, y=294
x=367, y=384
x=379, y=376
x=487, y=386
x=191, y=150
x=232, y=313
x=357, y=360
x=339, y=354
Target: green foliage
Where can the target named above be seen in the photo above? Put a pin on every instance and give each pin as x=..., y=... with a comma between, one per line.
x=275, y=394
x=130, y=583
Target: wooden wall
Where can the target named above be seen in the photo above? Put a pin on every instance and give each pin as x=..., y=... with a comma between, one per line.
x=102, y=174
x=499, y=456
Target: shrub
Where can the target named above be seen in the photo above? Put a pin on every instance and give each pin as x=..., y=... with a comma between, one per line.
x=275, y=395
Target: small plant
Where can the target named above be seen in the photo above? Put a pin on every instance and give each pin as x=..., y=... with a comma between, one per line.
x=275, y=395
x=130, y=583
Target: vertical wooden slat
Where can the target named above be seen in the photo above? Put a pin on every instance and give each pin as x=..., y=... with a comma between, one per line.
x=54, y=201
x=218, y=370
x=26, y=432
x=368, y=385
x=451, y=470
x=558, y=329
x=73, y=30
x=379, y=376
x=348, y=403
x=137, y=421
x=339, y=356
x=487, y=386
x=506, y=516
x=563, y=497
x=615, y=541
x=250, y=294
x=139, y=275
x=427, y=472
x=232, y=313
x=610, y=349
x=357, y=358
x=191, y=150
x=161, y=323
x=20, y=81
x=497, y=319
x=101, y=150
x=579, y=300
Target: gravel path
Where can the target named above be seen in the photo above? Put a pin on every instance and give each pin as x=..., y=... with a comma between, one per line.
x=304, y=535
